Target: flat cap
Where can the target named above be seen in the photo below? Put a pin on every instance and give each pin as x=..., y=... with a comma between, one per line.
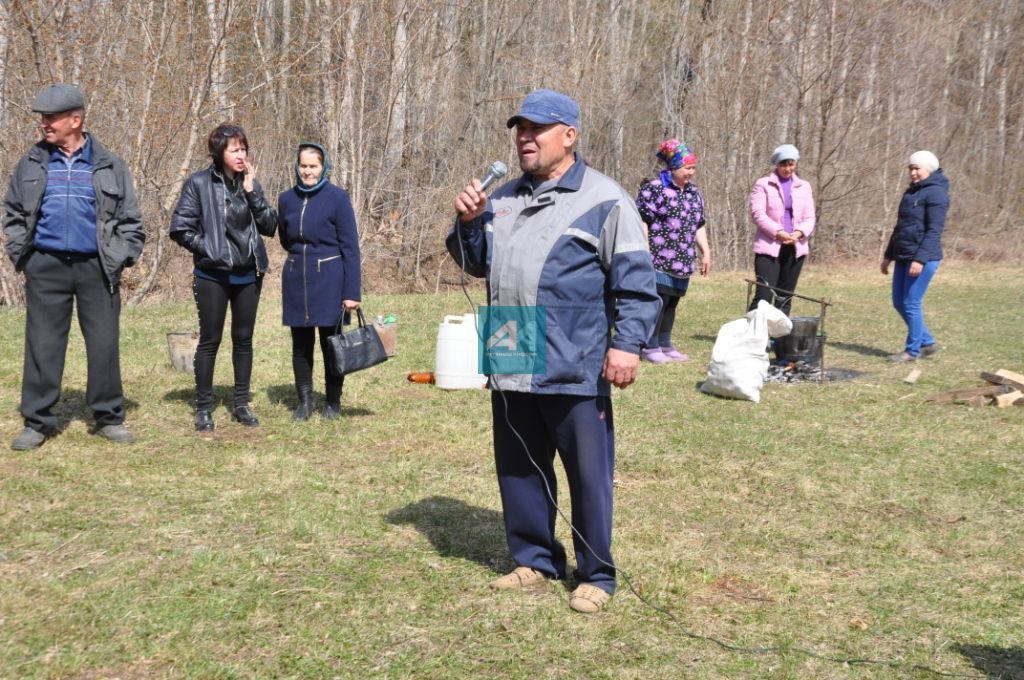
x=58, y=98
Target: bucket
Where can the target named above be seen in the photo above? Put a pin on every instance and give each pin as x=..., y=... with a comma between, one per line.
x=802, y=344
x=388, y=332
x=456, y=363
x=182, y=347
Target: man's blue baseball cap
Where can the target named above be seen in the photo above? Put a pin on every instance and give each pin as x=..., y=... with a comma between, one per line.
x=545, y=107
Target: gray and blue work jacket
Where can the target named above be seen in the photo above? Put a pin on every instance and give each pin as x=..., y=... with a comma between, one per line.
x=576, y=247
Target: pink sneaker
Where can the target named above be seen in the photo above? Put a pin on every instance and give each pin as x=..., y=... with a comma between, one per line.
x=673, y=354
x=654, y=355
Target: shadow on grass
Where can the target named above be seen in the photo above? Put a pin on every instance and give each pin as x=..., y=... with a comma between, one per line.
x=995, y=662
x=859, y=349
x=848, y=346
x=73, y=406
x=457, y=529
x=284, y=395
x=222, y=396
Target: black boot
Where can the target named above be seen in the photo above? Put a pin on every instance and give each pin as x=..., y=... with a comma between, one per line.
x=204, y=421
x=332, y=409
x=305, y=408
x=244, y=416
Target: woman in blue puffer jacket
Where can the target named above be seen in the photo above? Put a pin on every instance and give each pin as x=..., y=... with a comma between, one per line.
x=915, y=248
x=321, y=277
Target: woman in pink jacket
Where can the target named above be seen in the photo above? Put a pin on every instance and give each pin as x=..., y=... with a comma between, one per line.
x=783, y=210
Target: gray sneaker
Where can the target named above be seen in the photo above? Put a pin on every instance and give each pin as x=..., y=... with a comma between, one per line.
x=28, y=439
x=118, y=434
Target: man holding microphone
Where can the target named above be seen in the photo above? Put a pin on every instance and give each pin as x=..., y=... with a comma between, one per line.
x=567, y=240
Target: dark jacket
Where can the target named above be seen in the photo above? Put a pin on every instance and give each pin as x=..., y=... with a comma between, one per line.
x=119, y=232
x=198, y=222
x=921, y=217
x=318, y=230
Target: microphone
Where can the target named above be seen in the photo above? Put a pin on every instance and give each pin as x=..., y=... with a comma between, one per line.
x=496, y=171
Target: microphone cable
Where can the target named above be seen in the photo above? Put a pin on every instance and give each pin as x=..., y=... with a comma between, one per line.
x=728, y=646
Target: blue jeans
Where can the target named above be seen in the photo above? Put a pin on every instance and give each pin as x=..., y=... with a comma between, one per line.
x=907, y=293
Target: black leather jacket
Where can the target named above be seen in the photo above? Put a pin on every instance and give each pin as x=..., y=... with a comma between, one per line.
x=198, y=222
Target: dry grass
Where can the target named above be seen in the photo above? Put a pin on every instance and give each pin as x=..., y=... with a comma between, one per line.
x=850, y=519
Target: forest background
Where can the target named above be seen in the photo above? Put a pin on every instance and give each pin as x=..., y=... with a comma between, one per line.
x=410, y=97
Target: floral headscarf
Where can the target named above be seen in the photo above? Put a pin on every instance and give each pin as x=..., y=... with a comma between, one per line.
x=675, y=154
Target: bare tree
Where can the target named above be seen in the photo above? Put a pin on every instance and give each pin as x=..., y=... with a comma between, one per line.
x=410, y=96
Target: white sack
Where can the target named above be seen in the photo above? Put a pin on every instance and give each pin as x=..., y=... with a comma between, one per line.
x=739, y=359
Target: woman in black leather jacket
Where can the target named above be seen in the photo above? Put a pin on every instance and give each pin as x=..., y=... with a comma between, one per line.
x=220, y=216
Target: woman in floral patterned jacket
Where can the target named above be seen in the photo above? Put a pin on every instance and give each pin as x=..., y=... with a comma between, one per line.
x=673, y=209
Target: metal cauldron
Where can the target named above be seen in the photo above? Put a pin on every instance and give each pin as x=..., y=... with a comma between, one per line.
x=804, y=343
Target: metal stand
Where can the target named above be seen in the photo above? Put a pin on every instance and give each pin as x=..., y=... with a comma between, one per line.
x=824, y=304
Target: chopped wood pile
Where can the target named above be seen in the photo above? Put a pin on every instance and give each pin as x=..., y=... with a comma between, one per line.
x=1005, y=388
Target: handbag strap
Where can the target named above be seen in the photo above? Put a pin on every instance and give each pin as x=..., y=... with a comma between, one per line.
x=341, y=319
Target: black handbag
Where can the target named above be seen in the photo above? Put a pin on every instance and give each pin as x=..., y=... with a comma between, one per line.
x=356, y=349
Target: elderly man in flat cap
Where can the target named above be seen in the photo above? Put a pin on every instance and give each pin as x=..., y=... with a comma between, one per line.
x=71, y=224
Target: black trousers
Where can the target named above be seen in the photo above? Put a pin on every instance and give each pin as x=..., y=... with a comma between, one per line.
x=55, y=284
x=662, y=335
x=302, y=360
x=212, y=301
x=780, y=272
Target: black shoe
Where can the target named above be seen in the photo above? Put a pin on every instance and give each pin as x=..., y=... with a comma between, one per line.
x=204, y=421
x=305, y=408
x=929, y=350
x=243, y=416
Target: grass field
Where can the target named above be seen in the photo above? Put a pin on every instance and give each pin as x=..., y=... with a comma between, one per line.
x=849, y=519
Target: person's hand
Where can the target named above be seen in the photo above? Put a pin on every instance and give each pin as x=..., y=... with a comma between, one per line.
x=705, y=265
x=470, y=202
x=797, y=235
x=620, y=367
x=915, y=269
x=885, y=266
x=249, y=179
x=349, y=305
x=783, y=237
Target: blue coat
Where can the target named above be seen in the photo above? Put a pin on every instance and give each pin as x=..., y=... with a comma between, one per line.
x=922, y=215
x=319, y=232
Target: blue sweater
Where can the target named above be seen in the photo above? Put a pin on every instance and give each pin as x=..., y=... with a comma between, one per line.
x=922, y=215
x=67, y=218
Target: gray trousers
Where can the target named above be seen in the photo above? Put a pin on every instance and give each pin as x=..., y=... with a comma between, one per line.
x=55, y=283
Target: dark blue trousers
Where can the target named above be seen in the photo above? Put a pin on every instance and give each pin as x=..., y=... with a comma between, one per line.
x=581, y=430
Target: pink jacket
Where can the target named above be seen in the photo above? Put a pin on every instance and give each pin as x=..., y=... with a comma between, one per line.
x=766, y=209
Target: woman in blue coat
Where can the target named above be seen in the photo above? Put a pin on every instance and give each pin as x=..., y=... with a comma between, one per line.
x=915, y=248
x=321, y=278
